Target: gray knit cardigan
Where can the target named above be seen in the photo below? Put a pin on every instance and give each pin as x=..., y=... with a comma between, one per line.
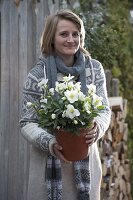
x=41, y=141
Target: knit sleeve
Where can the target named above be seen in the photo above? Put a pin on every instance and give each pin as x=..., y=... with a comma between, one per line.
x=29, y=121
x=103, y=120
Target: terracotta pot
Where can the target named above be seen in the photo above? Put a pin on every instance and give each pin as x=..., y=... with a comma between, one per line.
x=74, y=146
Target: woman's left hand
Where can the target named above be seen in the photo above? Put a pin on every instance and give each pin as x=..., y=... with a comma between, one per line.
x=92, y=135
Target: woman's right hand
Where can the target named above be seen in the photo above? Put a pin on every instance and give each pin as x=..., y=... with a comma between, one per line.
x=57, y=151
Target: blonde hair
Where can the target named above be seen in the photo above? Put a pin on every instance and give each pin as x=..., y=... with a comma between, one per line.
x=47, y=39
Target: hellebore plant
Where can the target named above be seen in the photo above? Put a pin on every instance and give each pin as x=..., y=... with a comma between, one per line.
x=66, y=107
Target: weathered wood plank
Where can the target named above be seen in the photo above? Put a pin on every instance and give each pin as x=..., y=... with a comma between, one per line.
x=54, y=5
x=41, y=10
x=5, y=100
x=31, y=35
x=13, y=123
x=108, y=81
x=115, y=87
x=25, y=63
x=23, y=155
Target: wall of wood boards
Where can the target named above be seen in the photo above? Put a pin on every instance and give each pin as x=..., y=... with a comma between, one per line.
x=22, y=23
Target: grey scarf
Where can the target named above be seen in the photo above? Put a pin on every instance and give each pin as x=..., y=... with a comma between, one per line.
x=54, y=64
x=81, y=168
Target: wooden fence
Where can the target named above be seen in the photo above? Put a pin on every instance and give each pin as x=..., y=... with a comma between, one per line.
x=22, y=22
x=21, y=25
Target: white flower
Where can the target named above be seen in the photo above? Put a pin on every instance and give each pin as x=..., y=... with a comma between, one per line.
x=63, y=98
x=97, y=101
x=57, y=86
x=75, y=121
x=64, y=114
x=53, y=116
x=70, y=85
x=29, y=104
x=43, y=106
x=67, y=78
x=83, y=123
x=43, y=82
x=60, y=86
x=81, y=96
x=87, y=107
x=71, y=112
x=51, y=90
x=91, y=89
x=77, y=86
x=72, y=95
x=43, y=101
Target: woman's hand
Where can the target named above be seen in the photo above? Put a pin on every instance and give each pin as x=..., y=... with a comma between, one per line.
x=92, y=135
x=57, y=151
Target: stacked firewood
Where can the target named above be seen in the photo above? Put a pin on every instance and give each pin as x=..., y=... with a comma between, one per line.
x=113, y=151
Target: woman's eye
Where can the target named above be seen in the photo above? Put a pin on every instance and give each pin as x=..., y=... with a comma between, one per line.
x=76, y=34
x=64, y=34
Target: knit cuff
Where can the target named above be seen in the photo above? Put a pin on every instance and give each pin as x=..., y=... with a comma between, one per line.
x=98, y=133
x=52, y=141
x=38, y=136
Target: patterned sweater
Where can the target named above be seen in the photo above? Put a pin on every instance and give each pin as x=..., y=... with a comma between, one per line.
x=44, y=140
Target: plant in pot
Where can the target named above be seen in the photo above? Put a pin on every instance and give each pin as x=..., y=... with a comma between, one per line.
x=68, y=113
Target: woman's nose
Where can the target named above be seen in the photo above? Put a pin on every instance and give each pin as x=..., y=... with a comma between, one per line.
x=70, y=38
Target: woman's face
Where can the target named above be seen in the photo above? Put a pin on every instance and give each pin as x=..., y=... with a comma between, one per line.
x=67, y=38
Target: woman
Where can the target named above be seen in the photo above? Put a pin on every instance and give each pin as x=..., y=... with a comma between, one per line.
x=51, y=176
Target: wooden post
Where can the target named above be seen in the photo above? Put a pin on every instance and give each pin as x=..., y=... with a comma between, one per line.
x=115, y=87
x=108, y=80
